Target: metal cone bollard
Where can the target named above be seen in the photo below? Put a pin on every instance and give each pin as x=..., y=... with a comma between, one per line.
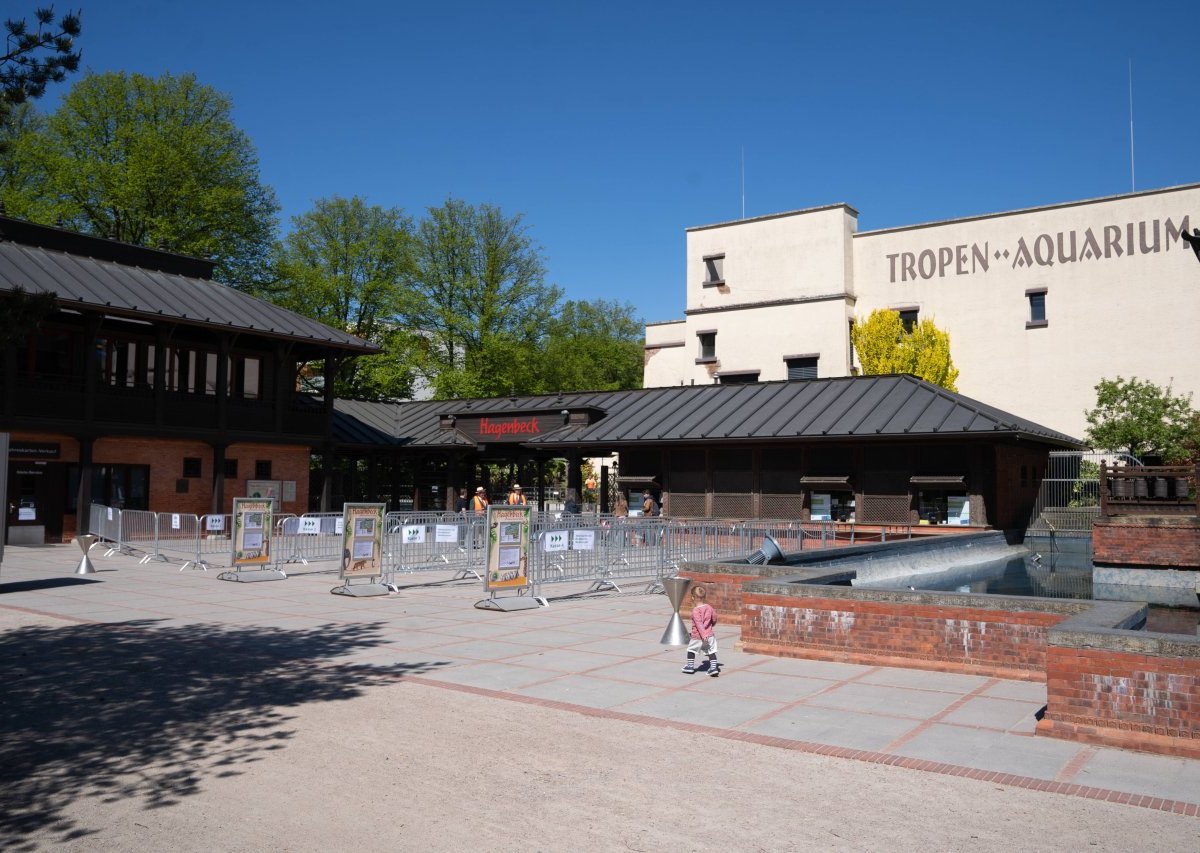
x=86, y=541
x=676, y=633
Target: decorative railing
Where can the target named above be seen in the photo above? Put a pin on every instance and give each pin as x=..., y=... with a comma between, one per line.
x=1148, y=489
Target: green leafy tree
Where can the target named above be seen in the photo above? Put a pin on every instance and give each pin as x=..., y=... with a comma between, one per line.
x=159, y=161
x=480, y=301
x=1144, y=419
x=348, y=264
x=593, y=346
x=884, y=346
x=36, y=56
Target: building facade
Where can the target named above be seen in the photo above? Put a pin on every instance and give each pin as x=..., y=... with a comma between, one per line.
x=1040, y=304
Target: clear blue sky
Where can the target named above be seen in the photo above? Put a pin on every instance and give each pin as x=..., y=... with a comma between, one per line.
x=613, y=127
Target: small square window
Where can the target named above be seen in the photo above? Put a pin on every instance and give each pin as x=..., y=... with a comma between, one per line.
x=181, y=487
x=801, y=367
x=1037, y=308
x=262, y=469
x=191, y=467
x=714, y=269
x=231, y=469
x=908, y=318
x=708, y=346
x=745, y=377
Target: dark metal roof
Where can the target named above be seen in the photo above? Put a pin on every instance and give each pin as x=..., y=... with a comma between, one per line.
x=154, y=295
x=872, y=407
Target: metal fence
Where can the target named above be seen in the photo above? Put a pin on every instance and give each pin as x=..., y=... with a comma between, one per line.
x=1068, y=501
x=597, y=549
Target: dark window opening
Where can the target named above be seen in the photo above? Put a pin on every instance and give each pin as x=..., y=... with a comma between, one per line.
x=708, y=345
x=908, y=319
x=262, y=469
x=192, y=467
x=714, y=269
x=738, y=378
x=1037, y=308
x=801, y=368
x=231, y=469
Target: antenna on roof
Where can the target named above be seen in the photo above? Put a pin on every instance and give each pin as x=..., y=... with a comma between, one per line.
x=1132, y=181
x=743, y=182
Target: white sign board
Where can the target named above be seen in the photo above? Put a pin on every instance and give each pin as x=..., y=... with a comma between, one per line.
x=554, y=540
x=175, y=521
x=445, y=533
x=414, y=534
x=214, y=523
x=820, y=510
x=583, y=540
x=310, y=525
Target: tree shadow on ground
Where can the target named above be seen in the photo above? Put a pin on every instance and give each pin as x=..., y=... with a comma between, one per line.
x=135, y=709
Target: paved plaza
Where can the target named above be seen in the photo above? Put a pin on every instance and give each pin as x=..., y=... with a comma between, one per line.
x=142, y=666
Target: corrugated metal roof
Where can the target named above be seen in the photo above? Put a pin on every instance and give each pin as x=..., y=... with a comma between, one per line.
x=817, y=409
x=153, y=295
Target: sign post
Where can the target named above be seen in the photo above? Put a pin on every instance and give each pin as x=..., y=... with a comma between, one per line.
x=362, y=550
x=250, y=544
x=507, y=547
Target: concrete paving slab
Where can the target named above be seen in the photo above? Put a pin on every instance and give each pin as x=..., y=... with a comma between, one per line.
x=1153, y=775
x=920, y=679
x=1002, y=714
x=808, y=668
x=892, y=701
x=848, y=729
x=1043, y=758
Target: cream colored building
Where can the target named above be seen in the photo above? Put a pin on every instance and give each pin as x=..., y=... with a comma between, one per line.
x=1040, y=304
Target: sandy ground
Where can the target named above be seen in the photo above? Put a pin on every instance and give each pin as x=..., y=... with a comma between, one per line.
x=400, y=765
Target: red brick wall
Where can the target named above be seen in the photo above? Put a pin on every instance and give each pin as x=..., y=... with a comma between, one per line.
x=1136, y=701
x=1147, y=541
x=724, y=594
x=1009, y=644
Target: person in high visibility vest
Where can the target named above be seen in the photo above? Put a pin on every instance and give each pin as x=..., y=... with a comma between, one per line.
x=479, y=503
x=516, y=497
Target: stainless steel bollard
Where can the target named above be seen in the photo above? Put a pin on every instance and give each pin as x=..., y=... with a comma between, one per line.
x=86, y=541
x=677, y=633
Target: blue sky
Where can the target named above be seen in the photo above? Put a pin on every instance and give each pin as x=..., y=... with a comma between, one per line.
x=613, y=127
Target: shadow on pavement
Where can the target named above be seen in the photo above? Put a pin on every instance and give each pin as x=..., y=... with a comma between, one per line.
x=136, y=710
x=44, y=583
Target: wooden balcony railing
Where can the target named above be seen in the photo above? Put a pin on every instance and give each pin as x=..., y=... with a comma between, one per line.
x=1148, y=489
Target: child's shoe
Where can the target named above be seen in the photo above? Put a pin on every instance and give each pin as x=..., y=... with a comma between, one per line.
x=714, y=669
x=689, y=667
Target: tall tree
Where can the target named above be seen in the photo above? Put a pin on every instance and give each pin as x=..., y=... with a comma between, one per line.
x=593, y=346
x=36, y=56
x=1145, y=419
x=884, y=346
x=348, y=264
x=481, y=301
x=159, y=161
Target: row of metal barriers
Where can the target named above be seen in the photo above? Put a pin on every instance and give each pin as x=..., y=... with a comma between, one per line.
x=598, y=549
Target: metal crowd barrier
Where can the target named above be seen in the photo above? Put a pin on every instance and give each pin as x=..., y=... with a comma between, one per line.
x=431, y=541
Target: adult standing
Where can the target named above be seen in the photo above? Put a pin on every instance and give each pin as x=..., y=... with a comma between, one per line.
x=516, y=497
x=649, y=504
x=571, y=507
x=621, y=506
x=479, y=503
x=463, y=501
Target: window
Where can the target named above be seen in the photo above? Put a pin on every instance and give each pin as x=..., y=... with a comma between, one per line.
x=191, y=466
x=262, y=469
x=231, y=469
x=1037, y=307
x=908, y=318
x=120, y=486
x=801, y=367
x=708, y=346
x=714, y=270
x=741, y=377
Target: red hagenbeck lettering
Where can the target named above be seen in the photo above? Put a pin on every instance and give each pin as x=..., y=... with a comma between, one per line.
x=513, y=427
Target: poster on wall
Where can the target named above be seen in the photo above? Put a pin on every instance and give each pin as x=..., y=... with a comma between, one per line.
x=508, y=547
x=362, y=540
x=821, y=508
x=270, y=489
x=252, y=526
x=958, y=509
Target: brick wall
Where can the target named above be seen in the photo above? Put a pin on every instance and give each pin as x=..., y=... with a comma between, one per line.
x=1125, y=699
x=1160, y=541
x=1004, y=643
x=724, y=594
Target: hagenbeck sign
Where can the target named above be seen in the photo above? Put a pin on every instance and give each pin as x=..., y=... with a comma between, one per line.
x=505, y=428
x=1103, y=242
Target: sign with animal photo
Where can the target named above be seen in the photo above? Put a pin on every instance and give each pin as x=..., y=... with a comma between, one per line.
x=508, y=547
x=362, y=540
x=252, y=526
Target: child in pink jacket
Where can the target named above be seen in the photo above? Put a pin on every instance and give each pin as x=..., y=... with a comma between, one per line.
x=704, y=636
